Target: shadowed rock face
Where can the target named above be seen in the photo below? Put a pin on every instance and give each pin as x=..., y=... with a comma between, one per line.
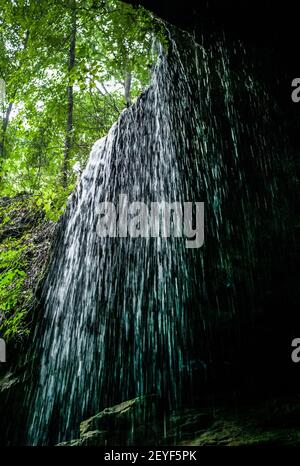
x=131, y=422
x=269, y=28
x=253, y=20
x=23, y=227
x=268, y=423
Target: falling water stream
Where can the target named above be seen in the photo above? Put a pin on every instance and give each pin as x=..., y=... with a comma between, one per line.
x=128, y=316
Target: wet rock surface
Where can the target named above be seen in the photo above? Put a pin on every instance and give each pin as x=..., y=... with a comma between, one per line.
x=275, y=422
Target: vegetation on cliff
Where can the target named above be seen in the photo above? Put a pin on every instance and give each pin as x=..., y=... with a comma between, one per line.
x=25, y=237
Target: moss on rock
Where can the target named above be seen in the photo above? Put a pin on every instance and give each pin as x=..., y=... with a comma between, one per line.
x=25, y=238
x=269, y=423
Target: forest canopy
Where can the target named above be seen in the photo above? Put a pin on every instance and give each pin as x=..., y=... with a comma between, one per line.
x=67, y=70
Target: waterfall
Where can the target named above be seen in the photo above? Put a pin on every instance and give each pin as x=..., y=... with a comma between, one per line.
x=123, y=317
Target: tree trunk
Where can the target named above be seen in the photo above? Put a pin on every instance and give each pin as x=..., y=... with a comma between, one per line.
x=127, y=87
x=4, y=128
x=69, y=128
x=5, y=121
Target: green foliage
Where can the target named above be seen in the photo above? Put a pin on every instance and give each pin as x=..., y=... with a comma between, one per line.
x=12, y=276
x=24, y=242
x=113, y=40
